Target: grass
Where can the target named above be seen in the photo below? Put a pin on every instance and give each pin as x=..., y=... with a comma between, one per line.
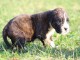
x=69, y=46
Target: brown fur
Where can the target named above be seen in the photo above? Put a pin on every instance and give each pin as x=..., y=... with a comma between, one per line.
x=26, y=28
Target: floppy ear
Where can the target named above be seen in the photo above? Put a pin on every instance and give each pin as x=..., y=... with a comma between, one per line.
x=50, y=16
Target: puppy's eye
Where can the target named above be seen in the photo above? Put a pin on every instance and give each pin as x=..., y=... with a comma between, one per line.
x=67, y=20
x=59, y=22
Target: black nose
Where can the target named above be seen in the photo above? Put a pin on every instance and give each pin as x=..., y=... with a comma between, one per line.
x=65, y=28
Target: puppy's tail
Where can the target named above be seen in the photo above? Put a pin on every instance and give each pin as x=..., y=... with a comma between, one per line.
x=4, y=34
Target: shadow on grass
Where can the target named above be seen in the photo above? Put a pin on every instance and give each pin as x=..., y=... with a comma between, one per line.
x=35, y=49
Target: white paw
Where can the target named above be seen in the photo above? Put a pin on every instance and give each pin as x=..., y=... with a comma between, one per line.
x=52, y=44
x=57, y=47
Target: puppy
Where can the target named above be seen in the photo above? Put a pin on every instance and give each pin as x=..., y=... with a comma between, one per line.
x=26, y=28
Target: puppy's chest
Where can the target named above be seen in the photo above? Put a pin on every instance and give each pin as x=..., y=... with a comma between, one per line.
x=50, y=33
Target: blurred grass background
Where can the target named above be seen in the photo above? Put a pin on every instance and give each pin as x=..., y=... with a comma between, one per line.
x=69, y=46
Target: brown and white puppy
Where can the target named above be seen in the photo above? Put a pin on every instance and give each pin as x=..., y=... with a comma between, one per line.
x=26, y=28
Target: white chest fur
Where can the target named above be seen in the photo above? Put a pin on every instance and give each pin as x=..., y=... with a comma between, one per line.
x=50, y=33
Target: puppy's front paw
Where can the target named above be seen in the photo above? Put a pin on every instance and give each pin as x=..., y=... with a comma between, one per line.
x=52, y=44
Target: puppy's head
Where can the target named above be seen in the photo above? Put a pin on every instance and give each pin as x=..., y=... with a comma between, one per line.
x=60, y=21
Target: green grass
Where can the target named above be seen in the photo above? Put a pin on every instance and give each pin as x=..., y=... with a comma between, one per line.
x=69, y=46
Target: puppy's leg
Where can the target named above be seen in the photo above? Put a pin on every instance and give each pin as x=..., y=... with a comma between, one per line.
x=42, y=40
x=19, y=44
x=49, y=39
x=43, y=43
x=13, y=41
x=50, y=42
x=13, y=44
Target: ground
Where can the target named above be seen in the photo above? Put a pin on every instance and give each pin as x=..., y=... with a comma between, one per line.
x=69, y=45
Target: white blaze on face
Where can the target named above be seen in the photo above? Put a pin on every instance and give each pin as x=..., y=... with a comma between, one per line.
x=65, y=26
